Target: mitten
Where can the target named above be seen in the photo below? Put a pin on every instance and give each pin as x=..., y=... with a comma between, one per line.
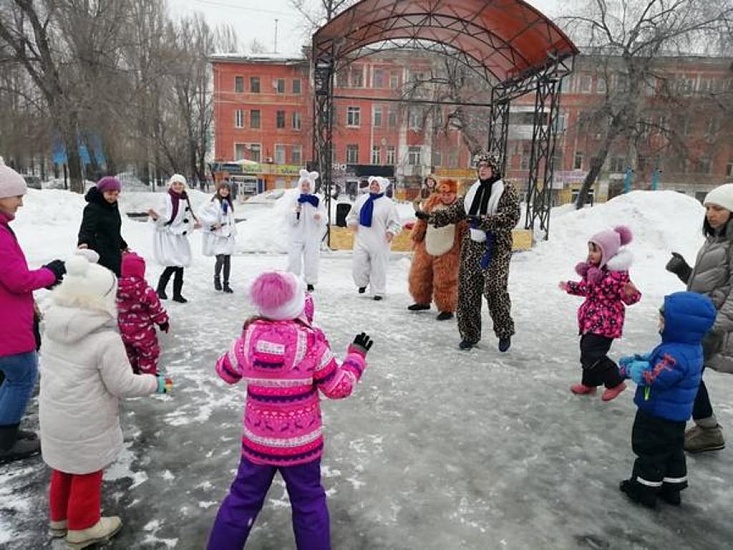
x=164, y=326
x=636, y=369
x=679, y=267
x=626, y=360
x=594, y=275
x=361, y=344
x=165, y=384
x=422, y=215
x=58, y=268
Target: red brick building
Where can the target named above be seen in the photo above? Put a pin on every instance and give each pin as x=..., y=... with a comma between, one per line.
x=263, y=113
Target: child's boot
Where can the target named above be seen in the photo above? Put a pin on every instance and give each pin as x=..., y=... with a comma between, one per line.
x=670, y=495
x=57, y=529
x=103, y=530
x=217, y=283
x=613, y=393
x=706, y=435
x=646, y=496
x=582, y=389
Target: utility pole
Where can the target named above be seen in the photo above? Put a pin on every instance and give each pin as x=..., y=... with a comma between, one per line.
x=276, y=35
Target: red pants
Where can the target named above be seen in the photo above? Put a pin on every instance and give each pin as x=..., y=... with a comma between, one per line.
x=76, y=498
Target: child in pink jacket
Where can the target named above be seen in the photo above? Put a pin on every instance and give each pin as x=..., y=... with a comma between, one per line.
x=606, y=286
x=285, y=361
x=139, y=310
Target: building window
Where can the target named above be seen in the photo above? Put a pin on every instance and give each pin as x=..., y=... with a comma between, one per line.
x=352, y=154
x=394, y=80
x=703, y=166
x=377, y=116
x=239, y=84
x=296, y=86
x=255, y=152
x=239, y=118
x=584, y=84
x=414, y=156
x=526, y=153
x=280, y=119
x=376, y=154
x=452, y=160
x=280, y=85
x=391, y=155
x=240, y=151
x=254, y=84
x=342, y=79
x=357, y=77
x=296, y=120
x=415, y=120
x=378, y=79
x=729, y=168
x=601, y=85
x=296, y=156
x=254, y=118
x=578, y=161
x=353, y=116
x=392, y=118
x=617, y=165
x=437, y=159
x=279, y=154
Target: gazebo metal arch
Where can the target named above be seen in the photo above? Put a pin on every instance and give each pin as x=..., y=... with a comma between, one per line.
x=510, y=44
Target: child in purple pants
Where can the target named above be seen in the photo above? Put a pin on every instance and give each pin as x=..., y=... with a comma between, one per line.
x=285, y=360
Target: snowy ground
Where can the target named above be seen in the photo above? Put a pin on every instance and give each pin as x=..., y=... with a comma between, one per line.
x=439, y=449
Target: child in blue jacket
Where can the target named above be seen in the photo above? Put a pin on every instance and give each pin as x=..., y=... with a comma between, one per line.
x=667, y=380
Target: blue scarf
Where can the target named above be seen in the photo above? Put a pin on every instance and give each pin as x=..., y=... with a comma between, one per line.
x=225, y=207
x=312, y=199
x=367, y=210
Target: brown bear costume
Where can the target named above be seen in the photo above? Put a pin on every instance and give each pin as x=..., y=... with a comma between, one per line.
x=434, y=270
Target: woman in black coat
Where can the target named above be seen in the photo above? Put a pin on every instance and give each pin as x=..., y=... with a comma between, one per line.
x=101, y=222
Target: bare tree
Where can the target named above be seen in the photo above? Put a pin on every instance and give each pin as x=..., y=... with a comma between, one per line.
x=631, y=35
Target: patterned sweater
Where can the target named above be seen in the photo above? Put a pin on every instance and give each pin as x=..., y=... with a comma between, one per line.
x=285, y=363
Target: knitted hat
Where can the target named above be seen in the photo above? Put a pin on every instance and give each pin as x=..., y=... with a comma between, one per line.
x=177, y=178
x=108, y=183
x=278, y=295
x=721, y=196
x=87, y=286
x=610, y=240
x=310, y=178
x=12, y=183
x=133, y=265
x=448, y=186
x=383, y=182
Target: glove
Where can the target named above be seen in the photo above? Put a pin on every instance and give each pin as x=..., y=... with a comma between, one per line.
x=628, y=359
x=361, y=344
x=165, y=384
x=58, y=268
x=164, y=326
x=421, y=215
x=679, y=266
x=635, y=370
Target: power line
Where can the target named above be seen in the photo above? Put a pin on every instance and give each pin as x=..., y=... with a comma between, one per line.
x=243, y=8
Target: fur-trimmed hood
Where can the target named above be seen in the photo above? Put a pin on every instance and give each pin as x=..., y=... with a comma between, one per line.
x=621, y=261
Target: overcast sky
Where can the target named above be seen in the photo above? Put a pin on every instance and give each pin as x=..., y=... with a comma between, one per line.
x=251, y=20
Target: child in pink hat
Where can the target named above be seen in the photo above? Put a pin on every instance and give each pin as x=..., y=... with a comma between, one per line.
x=286, y=362
x=138, y=311
x=607, y=289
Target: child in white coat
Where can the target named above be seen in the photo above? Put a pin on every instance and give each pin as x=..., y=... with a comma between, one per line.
x=84, y=373
x=220, y=234
x=172, y=228
x=375, y=219
x=307, y=220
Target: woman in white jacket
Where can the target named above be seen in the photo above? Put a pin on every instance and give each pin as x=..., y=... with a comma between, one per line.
x=375, y=219
x=220, y=234
x=306, y=222
x=170, y=245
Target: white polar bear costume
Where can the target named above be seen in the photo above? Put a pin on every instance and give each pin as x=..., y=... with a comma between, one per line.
x=371, y=244
x=306, y=216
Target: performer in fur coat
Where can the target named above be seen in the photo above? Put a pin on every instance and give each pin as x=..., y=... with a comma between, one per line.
x=435, y=260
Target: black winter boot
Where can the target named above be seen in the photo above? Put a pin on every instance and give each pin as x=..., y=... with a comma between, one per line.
x=178, y=286
x=12, y=448
x=163, y=282
x=217, y=283
x=646, y=496
x=227, y=288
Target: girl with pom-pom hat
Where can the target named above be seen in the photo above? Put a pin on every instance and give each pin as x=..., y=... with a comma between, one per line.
x=607, y=289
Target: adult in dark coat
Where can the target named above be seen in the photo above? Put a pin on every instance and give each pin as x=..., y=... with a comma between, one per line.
x=101, y=222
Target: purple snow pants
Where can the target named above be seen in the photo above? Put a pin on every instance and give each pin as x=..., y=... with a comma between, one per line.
x=240, y=507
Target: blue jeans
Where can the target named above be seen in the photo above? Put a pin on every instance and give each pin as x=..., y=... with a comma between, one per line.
x=20, y=372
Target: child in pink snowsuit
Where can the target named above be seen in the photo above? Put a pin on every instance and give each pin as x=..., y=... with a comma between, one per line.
x=139, y=310
x=606, y=286
x=285, y=361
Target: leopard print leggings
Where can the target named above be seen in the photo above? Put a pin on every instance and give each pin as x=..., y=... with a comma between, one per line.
x=473, y=281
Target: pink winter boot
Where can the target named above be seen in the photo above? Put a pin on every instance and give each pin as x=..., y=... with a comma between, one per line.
x=582, y=389
x=612, y=393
